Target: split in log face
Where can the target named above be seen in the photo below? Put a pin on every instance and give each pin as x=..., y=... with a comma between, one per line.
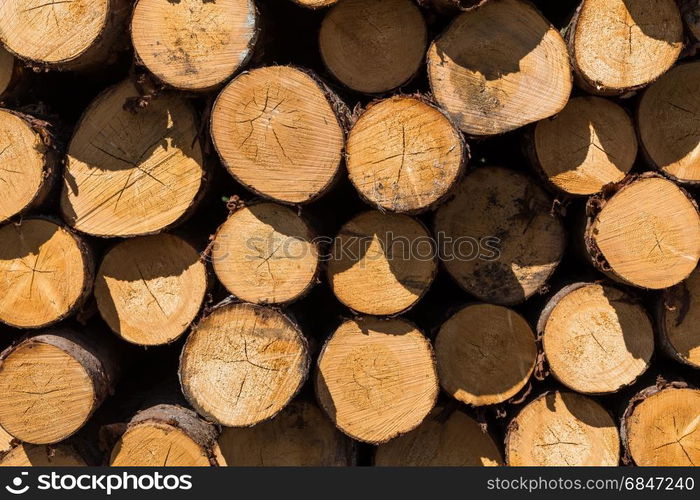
x=373, y=47
x=299, y=436
x=648, y=233
x=381, y=264
x=130, y=174
x=596, y=338
x=242, y=364
x=166, y=435
x=404, y=155
x=376, y=378
x=499, y=67
x=590, y=144
x=679, y=320
x=32, y=455
x=46, y=273
x=25, y=164
x=669, y=123
x=513, y=249
x=457, y=441
x=563, y=429
x=7, y=69
x=149, y=289
x=265, y=253
x=621, y=45
x=278, y=134
x=664, y=429
x=485, y=354
x=194, y=44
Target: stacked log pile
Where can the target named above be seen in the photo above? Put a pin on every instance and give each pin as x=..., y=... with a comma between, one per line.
x=349, y=232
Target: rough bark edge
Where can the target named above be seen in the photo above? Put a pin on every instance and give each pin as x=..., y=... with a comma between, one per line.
x=661, y=385
x=88, y=272
x=465, y=156
x=342, y=115
x=259, y=309
x=50, y=451
x=99, y=361
x=317, y=376
x=595, y=205
x=552, y=303
x=675, y=297
x=315, y=7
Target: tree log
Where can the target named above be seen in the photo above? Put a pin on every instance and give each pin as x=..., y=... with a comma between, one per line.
x=508, y=255
x=279, y=132
x=46, y=273
x=8, y=66
x=32, y=455
x=690, y=10
x=590, y=144
x=376, y=378
x=646, y=234
x=562, y=429
x=618, y=46
x=404, y=155
x=51, y=382
x=132, y=173
x=485, y=354
x=315, y=4
x=678, y=314
x=381, y=264
x=242, y=364
x=597, y=339
x=150, y=289
x=499, y=67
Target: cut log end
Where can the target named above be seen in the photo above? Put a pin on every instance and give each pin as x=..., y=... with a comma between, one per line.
x=7, y=70
x=149, y=289
x=46, y=273
x=191, y=44
x=509, y=255
x=648, y=233
x=499, y=67
x=669, y=129
x=277, y=133
x=373, y=47
x=679, y=317
x=590, y=144
x=130, y=174
x=381, y=264
x=485, y=354
x=596, y=338
x=31, y=455
x=457, y=441
x=242, y=364
x=563, y=429
x=618, y=45
x=664, y=429
x=315, y=4
x=376, y=379
x=404, y=155
x=299, y=436
x=265, y=253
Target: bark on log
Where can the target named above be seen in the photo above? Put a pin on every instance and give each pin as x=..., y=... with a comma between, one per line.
x=562, y=429
x=299, y=436
x=33, y=455
x=455, y=440
x=590, y=144
x=194, y=45
x=46, y=273
x=166, y=435
x=381, y=264
x=597, y=339
x=75, y=35
x=52, y=382
x=678, y=314
x=646, y=233
x=376, y=378
x=485, y=354
x=618, y=46
x=265, y=253
x=373, y=47
x=315, y=4
x=150, y=289
x=508, y=255
x=499, y=67
x=242, y=364
x=280, y=132
x=404, y=155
